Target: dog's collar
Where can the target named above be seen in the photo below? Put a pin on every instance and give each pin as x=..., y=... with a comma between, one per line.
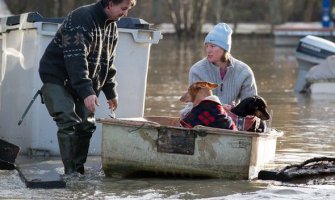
x=213, y=98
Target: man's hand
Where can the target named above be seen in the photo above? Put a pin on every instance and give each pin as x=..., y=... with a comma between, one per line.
x=112, y=104
x=90, y=102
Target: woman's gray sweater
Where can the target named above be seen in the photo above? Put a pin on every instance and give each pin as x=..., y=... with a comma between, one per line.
x=238, y=83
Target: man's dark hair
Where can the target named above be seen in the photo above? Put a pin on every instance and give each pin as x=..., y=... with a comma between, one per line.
x=116, y=2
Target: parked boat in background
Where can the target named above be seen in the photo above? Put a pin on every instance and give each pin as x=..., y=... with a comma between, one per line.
x=321, y=78
x=158, y=145
x=289, y=34
x=315, y=65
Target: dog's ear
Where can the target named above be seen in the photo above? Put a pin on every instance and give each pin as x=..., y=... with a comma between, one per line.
x=243, y=108
x=251, y=105
x=205, y=84
x=212, y=85
x=260, y=102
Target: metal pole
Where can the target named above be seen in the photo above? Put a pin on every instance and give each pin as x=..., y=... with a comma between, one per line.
x=28, y=107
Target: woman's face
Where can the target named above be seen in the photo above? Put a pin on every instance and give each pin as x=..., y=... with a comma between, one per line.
x=214, y=53
x=116, y=11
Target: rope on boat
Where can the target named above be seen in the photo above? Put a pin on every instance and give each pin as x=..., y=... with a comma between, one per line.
x=138, y=128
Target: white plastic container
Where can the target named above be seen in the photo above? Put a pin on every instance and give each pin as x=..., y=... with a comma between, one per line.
x=23, y=45
x=0, y=62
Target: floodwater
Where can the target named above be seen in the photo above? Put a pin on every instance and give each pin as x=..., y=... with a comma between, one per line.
x=306, y=120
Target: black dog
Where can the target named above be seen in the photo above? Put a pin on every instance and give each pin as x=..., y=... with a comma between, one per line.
x=252, y=109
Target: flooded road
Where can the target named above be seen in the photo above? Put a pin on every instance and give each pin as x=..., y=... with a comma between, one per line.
x=306, y=120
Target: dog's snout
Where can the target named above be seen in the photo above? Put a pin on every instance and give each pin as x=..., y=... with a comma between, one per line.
x=185, y=98
x=264, y=115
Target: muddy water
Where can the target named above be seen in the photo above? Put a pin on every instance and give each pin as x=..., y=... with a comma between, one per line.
x=306, y=120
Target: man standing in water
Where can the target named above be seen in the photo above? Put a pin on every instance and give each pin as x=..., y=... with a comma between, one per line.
x=76, y=66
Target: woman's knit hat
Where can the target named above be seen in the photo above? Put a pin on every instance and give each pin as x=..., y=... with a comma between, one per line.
x=220, y=36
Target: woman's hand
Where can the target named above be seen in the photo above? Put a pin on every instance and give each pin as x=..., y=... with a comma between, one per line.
x=227, y=107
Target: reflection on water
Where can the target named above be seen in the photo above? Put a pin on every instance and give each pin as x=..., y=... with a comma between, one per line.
x=306, y=121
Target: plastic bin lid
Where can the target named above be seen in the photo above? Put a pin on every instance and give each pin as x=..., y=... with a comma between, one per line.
x=133, y=23
x=316, y=47
x=32, y=17
x=125, y=22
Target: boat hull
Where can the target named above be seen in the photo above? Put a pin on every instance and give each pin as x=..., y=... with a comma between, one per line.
x=157, y=145
x=323, y=87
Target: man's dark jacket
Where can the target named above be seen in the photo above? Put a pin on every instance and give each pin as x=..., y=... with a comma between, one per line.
x=81, y=54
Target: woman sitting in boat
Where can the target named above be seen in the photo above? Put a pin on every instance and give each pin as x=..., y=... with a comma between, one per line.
x=235, y=78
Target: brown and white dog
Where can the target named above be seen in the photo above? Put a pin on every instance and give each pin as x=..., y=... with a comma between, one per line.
x=207, y=109
x=248, y=115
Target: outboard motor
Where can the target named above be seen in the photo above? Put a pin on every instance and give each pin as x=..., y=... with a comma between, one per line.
x=311, y=51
